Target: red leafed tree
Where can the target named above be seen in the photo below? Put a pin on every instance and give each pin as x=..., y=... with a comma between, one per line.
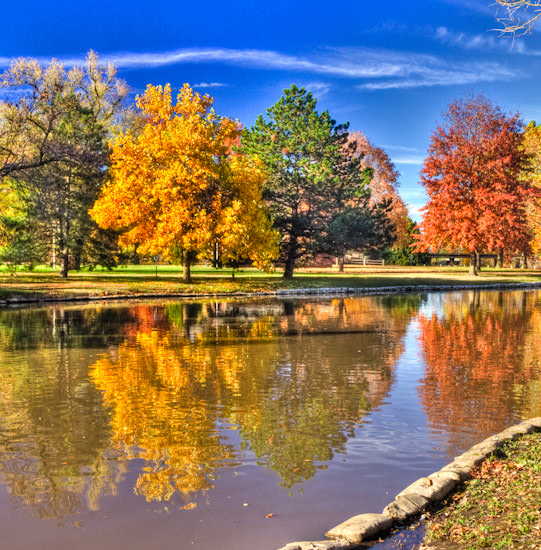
x=384, y=184
x=472, y=175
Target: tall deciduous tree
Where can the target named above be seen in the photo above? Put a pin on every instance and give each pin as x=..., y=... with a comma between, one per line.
x=52, y=142
x=179, y=184
x=383, y=184
x=314, y=182
x=43, y=97
x=472, y=176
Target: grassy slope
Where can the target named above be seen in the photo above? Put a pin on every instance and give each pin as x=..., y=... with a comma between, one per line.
x=500, y=507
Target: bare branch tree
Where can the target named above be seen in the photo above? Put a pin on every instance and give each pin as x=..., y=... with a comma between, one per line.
x=520, y=16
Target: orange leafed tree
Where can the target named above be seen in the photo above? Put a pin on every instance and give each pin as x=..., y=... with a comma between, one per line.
x=472, y=175
x=383, y=185
x=179, y=185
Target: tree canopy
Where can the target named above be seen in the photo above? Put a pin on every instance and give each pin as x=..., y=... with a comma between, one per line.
x=180, y=185
x=473, y=176
x=53, y=144
x=383, y=185
x=315, y=188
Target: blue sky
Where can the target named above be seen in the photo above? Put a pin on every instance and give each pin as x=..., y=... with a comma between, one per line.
x=390, y=68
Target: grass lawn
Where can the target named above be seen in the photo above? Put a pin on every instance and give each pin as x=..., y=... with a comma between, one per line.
x=499, y=507
x=130, y=280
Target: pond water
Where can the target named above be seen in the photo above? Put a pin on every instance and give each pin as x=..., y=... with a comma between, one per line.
x=246, y=425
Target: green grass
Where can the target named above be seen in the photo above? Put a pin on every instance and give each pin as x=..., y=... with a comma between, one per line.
x=44, y=282
x=500, y=507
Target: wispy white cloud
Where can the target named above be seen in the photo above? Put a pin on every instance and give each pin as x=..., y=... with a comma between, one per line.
x=436, y=73
x=210, y=85
x=379, y=69
x=358, y=64
x=484, y=42
x=469, y=41
x=318, y=89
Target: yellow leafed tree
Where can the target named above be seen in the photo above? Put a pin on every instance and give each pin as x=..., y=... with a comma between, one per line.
x=180, y=184
x=532, y=144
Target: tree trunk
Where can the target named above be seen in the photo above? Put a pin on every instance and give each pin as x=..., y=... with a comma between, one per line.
x=65, y=228
x=478, y=261
x=341, y=264
x=289, y=268
x=136, y=258
x=291, y=257
x=499, y=258
x=473, y=271
x=64, y=261
x=186, y=268
x=524, y=260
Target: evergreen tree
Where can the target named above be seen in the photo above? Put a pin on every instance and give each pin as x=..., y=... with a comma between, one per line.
x=316, y=189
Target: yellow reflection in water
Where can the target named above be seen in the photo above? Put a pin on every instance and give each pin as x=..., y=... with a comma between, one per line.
x=294, y=392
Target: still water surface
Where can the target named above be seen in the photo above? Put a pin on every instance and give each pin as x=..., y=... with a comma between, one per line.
x=245, y=425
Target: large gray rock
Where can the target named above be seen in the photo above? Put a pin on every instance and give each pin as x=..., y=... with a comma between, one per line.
x=361, y=527
x=406, y=507
x=435, y=487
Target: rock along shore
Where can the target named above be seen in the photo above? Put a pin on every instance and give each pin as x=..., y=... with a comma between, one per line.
x=417, y=497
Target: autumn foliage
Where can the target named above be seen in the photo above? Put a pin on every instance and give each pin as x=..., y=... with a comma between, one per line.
x=179, y=185
x=532, y=145
x=472, y=175
x=481, y=359
x=383, y=184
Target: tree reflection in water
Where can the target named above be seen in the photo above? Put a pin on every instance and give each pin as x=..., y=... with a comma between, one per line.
x=293, y=379
x=482, y=364
x=293, y=390
x=190, y=388
x=54, y=435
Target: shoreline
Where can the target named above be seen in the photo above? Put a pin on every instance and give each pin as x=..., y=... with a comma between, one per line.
x=280, y=293
x=419, y=496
